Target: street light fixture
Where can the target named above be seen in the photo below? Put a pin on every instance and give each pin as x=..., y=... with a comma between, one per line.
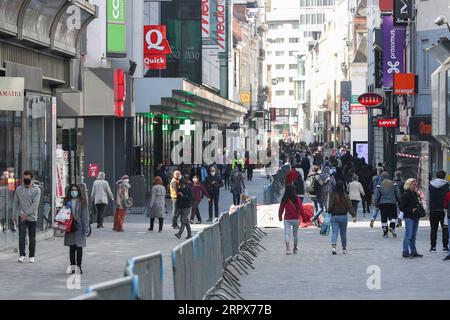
x=441, y=20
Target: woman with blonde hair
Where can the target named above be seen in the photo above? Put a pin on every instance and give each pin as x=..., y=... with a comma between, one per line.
x=157, y=205
x=409, y=205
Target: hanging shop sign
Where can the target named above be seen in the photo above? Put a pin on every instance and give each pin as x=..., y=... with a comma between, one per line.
x=116, y=29
x=346, y=99
x=388, y=123
x=156, y=47
x=421, y=127
x=93, y=170
x=355, y=110
x=393, y=47
x=386, y=5
x=370, y=99
x=403, y=12
x=404, y=83
x=12, y=93
x=119, y=93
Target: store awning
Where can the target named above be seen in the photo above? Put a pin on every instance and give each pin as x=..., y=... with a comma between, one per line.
x=183, y=99
x=47, y=23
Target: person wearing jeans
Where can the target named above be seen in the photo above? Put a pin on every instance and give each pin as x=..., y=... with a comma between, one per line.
x=25, y=208
x=184, y=205
x=340, y=206
x=408, y=205
x=292, y=207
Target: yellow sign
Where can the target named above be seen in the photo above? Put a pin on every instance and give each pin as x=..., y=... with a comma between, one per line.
x=245, y=97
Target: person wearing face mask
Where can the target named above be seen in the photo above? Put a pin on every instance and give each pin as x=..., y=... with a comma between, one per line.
x=237, y=185
x=25, y=208
x=122, y=202
x=199, y=191
x=213, y=183
x=76, y=239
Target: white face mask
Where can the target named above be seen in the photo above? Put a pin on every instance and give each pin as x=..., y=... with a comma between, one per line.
x=126, y=180
x=213, y=173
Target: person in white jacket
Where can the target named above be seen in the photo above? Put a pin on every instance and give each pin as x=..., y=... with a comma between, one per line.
x=355, y=192
x=100, y=192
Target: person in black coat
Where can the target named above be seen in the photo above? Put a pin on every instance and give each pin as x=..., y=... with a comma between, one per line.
x=365, y=177
x=305, y=165
x=409, y=204
x=213, y=183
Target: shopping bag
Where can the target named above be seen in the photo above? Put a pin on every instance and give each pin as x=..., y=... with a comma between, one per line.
x=326, y=225
x=63, y=215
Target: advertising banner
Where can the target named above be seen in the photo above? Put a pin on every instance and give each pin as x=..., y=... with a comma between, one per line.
x=12, y=94
x=403, y=12
x=393, y=47
x=116, y=29
x=346, y=99
x=404, y=83
x=156, y=47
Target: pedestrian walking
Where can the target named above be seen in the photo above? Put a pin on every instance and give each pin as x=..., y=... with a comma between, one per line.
x=213, y=184
x=328, y=187
x=25, y=209
x=156, y=208
x=76, y=238
x=184, y=204
x=376, y=181
x=101, y=191
x=365, y=177
x=226, y=176
x=173, y=188
x=292, y=207
x=313, y=187
x=237, y=185
x=409, y=204
x=123, y=203
x=386, y=198
x=356, y=193
x=305, y=165
x=438, y=190
x=340, y=206
x=199, y=191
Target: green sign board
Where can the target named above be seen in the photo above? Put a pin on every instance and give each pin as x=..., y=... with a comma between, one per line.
x=355, y=99
x=116, y=29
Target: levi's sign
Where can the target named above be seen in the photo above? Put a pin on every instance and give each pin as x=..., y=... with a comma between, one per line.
x=156, y=47
x=388, y=123
x=370, y=99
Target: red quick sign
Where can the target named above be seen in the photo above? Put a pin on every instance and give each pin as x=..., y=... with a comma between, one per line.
x=388, y=123
x=156, y=47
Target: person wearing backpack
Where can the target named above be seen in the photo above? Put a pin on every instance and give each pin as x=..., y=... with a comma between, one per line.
x=376, y=180
x=313, y=188
x=292, y=207
x=387, y=196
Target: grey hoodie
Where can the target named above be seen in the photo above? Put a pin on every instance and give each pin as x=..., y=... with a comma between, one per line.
x=26, y=201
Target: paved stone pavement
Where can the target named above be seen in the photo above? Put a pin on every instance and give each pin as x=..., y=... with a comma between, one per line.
x=315, y=274
x=104, y=258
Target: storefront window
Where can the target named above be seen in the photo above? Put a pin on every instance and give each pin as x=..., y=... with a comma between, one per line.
x=10, y=159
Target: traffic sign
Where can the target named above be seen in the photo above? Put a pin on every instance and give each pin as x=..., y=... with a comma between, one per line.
x=370, y=99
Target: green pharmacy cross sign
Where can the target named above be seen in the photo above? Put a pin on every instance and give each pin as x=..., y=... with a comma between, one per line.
x=116, y=29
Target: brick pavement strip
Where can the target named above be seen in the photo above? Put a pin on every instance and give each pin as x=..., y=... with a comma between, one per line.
x=104, y=258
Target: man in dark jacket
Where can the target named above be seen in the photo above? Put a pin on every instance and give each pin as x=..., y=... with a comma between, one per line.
x=437, y=191
x=213, y=183
x=184, y=205
x=365, y=177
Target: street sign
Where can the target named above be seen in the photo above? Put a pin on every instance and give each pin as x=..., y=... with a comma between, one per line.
x=370, y=99
x=388, y=123
x=93, y=170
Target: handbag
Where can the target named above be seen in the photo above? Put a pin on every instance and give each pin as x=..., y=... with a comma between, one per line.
x=421, y=211
x=72, y=225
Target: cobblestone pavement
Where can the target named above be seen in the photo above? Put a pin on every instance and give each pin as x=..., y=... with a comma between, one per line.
x=104, y=258
x=315, y=274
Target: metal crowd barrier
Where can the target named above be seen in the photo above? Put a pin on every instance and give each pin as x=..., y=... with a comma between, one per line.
x=205, y=267
x=125, y=288
x=149, y=272
x=87, y=296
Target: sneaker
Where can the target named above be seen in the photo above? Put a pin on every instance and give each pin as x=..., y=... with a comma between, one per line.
x=447, y=258
x=385, y=235
x=22, y=259
x=199, y=222
x=32, y=260
x=371, y=223
x=344, y=251
x=416, y=255
x=178, y=235
x=433, y=250
x=445, y=249
x=191, y=221
x=295, y=251
x=399, y=224
x=176, y=227
x=393, y=232
x=288, y=252
x=333, y=251
x=209, y=220
x=188, y=237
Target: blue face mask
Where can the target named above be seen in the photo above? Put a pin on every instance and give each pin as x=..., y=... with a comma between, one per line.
x=74, y=194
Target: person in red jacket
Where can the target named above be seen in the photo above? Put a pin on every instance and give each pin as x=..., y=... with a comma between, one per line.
x=291, y=176
x=292, y=207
